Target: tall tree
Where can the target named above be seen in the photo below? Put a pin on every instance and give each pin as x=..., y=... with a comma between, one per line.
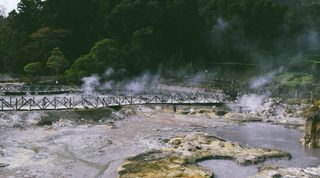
x=13, y=39
x=72, y=15
x=124, y=19
x=256, y=18
x=183, y=29
x=210, y=10
x=57, y=60
x=222, y=7
x=97, y=30
x=235, y=10
x=246, y=7
x=144, y=50
x=29, y=11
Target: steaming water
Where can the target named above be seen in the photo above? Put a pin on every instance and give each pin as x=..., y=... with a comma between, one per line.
x=263, y=135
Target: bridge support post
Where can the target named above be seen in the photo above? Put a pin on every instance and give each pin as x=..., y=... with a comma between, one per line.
x=279, y=92
x=55, y=103
x=1, y=93
x=106, y=102
x=1, y=104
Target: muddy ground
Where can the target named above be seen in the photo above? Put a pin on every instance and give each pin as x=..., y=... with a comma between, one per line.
x=93, y=143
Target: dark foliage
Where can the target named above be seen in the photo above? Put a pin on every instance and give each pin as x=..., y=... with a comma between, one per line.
x=140, y=35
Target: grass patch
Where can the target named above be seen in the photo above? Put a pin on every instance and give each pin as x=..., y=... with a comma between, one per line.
x=36, y=150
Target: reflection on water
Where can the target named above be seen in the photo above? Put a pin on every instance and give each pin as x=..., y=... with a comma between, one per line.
x=263, y=135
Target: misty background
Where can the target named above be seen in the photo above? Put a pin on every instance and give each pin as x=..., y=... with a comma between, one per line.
x=125, y=43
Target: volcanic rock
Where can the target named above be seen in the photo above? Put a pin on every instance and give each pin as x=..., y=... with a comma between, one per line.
x=311, y=136
x=4, y=165
x=179, y=158
x=267, y=171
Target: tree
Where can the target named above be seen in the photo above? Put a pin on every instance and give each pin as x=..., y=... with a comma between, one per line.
x=3, y=11
x=210, y=10
x=57, y=60
x=105, y=54
x=234, y=10
x=97, y=30
x=246, y=6
x=75, y=16
x=124, y=19
x=144, y=50
x=28, y=15
x=14, y=57
x=183, y=28
x=43, y=41
x=32, y=67
x=222, y=7
x=256, y=18
x=175, y=62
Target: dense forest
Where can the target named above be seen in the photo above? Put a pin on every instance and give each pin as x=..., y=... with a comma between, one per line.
x=169, y=35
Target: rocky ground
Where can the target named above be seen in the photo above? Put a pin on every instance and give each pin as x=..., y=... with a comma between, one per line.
x=269, y=171
x=179, y=160
x=97, y=143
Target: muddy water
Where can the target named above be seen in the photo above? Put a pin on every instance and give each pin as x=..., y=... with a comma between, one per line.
x=263, y=135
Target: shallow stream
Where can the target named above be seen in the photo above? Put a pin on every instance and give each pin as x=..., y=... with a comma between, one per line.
x=262, y=135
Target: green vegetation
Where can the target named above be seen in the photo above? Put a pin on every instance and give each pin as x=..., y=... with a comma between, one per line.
x=311, y=110
x=226, y=37
x=105, y=54
x=32, y=67
x=57, y=60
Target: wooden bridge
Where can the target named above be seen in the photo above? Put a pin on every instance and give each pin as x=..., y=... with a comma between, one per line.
x=107, y=98
x=37, y=89
x=75, y=97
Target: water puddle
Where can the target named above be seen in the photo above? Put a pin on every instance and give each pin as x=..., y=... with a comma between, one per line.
x=263, y=135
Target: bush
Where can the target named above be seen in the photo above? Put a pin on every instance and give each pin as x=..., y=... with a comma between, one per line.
x=311, y=110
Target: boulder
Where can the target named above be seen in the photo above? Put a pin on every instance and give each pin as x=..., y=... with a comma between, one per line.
x=311, y=136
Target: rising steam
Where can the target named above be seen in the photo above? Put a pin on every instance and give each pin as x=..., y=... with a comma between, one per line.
x=140, y=83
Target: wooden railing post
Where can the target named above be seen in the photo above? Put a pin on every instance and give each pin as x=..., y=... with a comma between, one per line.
x=97, y=103
x=55, y=103
x=279, y=92
x=107, y=104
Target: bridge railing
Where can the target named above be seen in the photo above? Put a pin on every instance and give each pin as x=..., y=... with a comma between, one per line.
x=9, y=88
x=70, y=102
x=97, y=91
